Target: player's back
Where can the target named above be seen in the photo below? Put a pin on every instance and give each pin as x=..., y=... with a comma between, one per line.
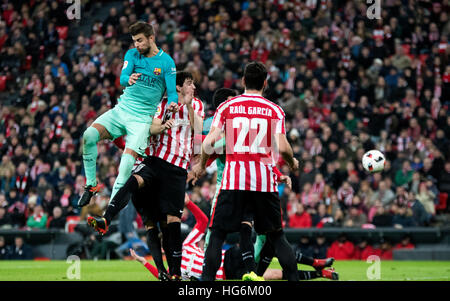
x=250, y=122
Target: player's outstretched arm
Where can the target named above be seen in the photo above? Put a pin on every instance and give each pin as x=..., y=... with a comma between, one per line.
x=207, y=150
x=170, y=76
x=144, y=262
x=137, y=257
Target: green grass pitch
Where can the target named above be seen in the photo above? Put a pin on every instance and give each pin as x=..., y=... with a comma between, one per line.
x=120, y=270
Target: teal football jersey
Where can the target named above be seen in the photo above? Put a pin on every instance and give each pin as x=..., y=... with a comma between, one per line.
x=158, y=75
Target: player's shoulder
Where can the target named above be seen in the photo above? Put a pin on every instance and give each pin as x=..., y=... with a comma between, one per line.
x=229, y=102
x=166, y=57
x=198, y=101
x=262, y=100
x=133, y=52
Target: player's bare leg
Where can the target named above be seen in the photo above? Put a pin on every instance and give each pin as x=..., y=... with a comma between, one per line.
x=91, y=137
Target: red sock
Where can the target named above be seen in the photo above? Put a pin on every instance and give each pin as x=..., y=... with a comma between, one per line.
x=152, y=269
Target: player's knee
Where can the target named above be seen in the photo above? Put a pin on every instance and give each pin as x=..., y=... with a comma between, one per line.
x=149, y=226
x=246, y=225
x=91, y=136
x=131, y=152
x=140, y=180
x=173, y=219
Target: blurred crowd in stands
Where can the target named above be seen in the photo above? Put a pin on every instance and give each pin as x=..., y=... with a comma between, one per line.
x=347, y=84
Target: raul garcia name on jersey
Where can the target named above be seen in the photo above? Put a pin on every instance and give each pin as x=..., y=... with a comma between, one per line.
x=250, y=110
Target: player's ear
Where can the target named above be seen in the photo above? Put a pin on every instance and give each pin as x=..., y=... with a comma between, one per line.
x=265, y=85
x=178, y=88
x=243, y=82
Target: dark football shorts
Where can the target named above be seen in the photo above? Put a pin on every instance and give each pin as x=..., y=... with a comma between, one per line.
x=164, y=191
x=236, y=206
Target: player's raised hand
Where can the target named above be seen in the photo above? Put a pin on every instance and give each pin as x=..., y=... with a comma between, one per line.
x=137, y=257
x=173, y=107
x=133, y=78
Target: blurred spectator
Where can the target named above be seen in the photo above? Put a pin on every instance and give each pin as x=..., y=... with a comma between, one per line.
x=301, y=218
x=426, y=197
x=135, y=243
x=57, y=221
x=420, y=216
x=20, y=250
x=356, y=218
x=386, y=250
x=363, y=250
x=305, y=247
x=102, y=249
x=444, y=179
x=383, y=193
x=5, y=219
x=321, y=217
x=320, y=247
x=382, y=217
x=4, y=249
x=404, y=176
x=38, y=220
x=402, y=217
x=405, y=243
x=341, y=249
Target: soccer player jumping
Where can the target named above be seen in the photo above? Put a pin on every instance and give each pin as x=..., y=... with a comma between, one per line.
x=146, y=74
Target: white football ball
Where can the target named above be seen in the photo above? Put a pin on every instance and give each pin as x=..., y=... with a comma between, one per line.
x=373, y=161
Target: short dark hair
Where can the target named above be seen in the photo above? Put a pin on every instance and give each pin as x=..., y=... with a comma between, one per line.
x=141, y=27
x=222, y=95
x=182, y=76
x=255, y=74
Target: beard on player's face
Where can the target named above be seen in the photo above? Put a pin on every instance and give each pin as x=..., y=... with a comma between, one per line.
x=144, y=51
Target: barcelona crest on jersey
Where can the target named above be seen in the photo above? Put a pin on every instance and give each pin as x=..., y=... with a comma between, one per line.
x=157, y=71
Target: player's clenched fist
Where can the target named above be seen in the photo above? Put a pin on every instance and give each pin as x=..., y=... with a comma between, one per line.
x=168, y=124
x=173, y=107
x=133, y=78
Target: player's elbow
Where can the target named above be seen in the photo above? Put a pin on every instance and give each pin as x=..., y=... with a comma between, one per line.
x=124, y=80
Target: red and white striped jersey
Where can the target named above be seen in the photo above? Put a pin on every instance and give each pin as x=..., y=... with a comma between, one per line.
x=250, y=123
x=175, y=145
x=193, y=255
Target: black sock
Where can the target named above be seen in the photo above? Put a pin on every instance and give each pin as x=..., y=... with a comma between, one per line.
x=165, y=243
x=154, y=244
x=213, y=255
x=121, y=199
x=305, y=275
x=247, y=249
x=285, y=254
x=265, y=258
x=175, y=245
x=304, y=259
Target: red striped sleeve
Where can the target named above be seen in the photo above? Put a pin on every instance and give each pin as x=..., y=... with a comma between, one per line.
x=151, y=269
